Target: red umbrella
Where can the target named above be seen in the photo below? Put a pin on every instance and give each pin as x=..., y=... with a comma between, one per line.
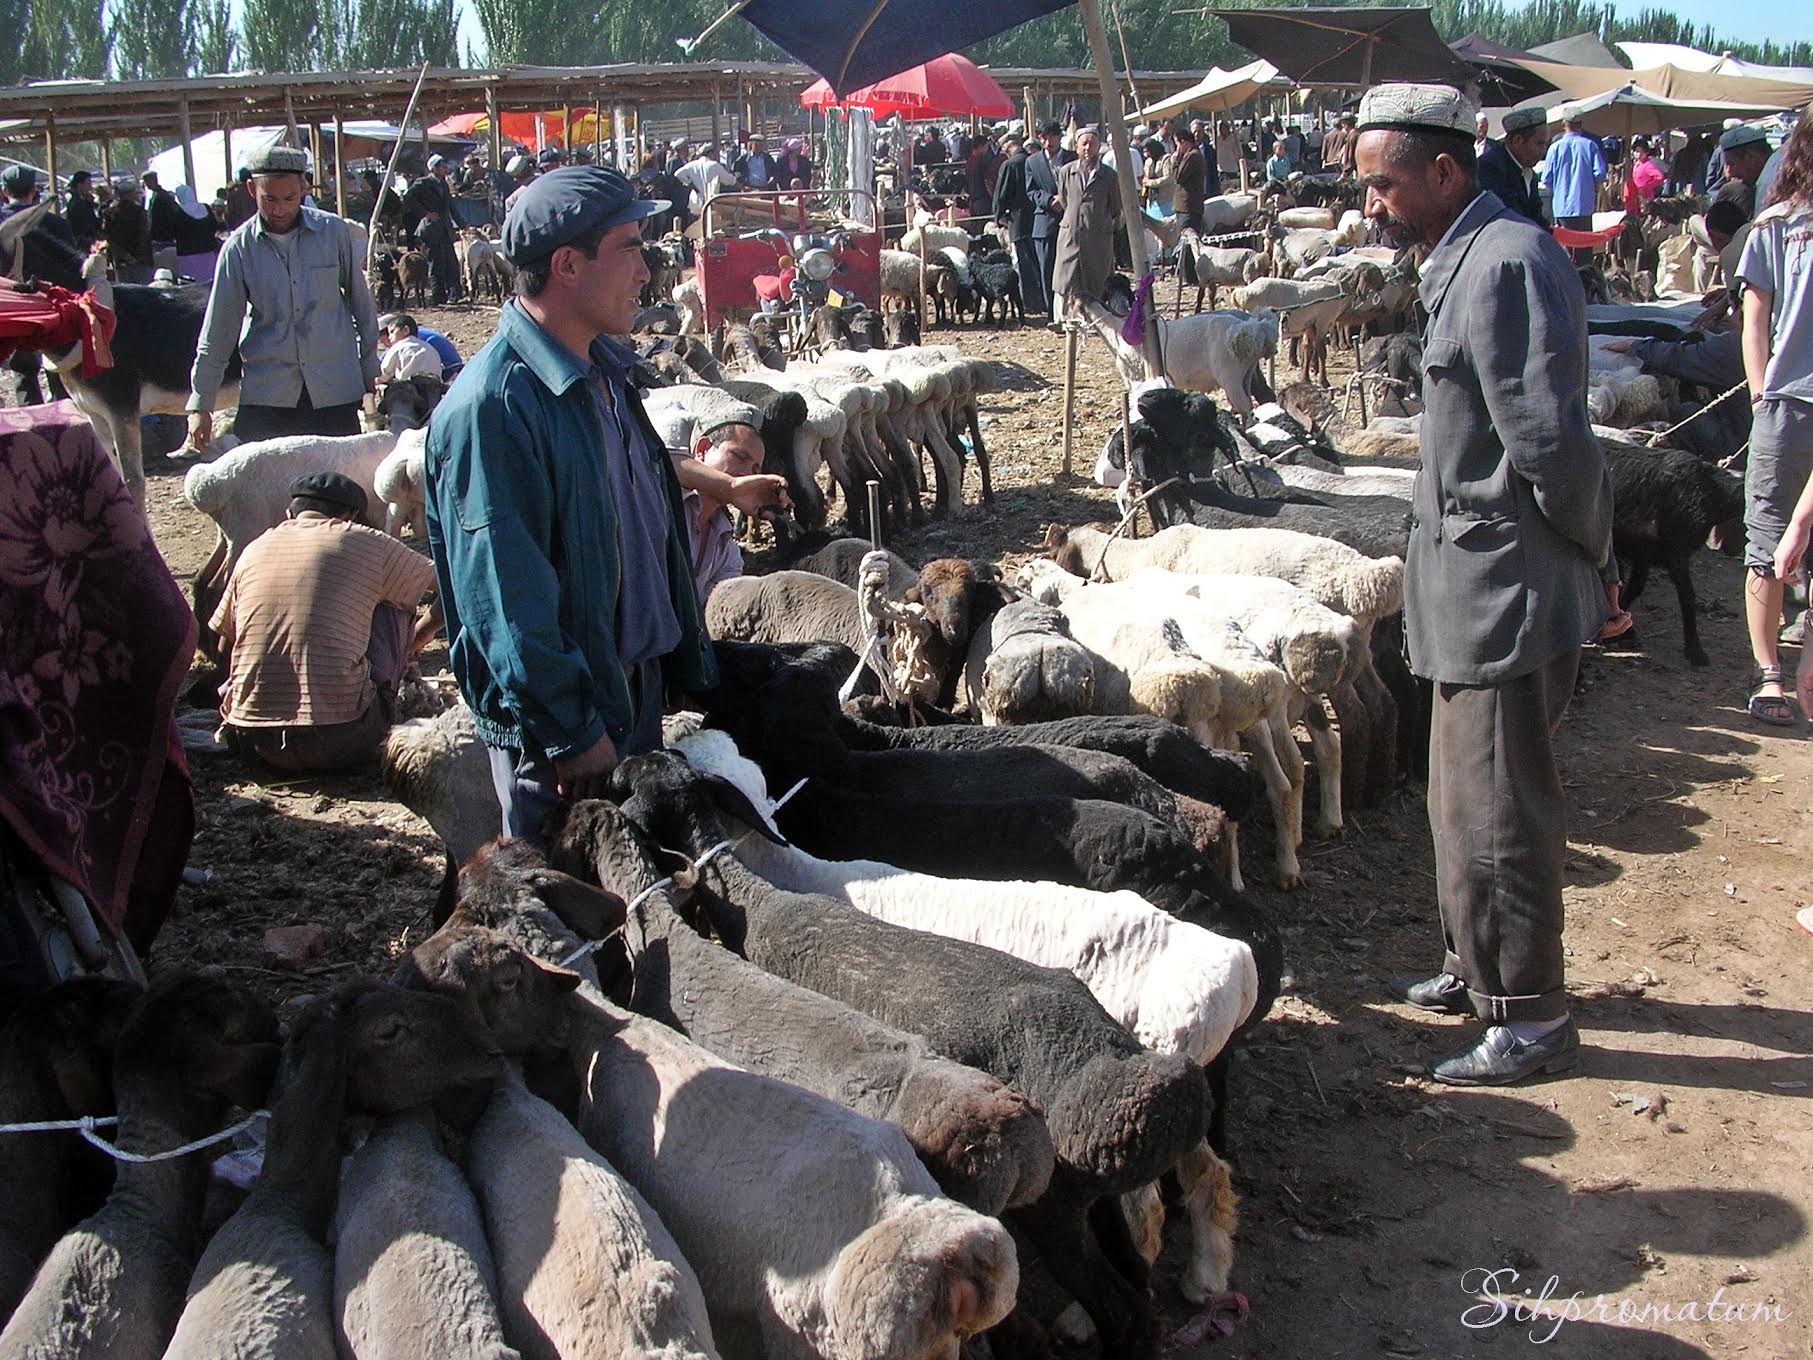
x=950, y=84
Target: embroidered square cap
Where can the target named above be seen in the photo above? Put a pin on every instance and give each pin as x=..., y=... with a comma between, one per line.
x=278, y=160
x=1410, y=107
x=1520, y=120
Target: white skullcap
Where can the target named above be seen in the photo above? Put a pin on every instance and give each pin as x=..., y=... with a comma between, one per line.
x=1417, y=108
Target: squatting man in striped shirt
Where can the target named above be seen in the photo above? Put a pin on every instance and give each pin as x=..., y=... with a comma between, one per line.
x=319, y=621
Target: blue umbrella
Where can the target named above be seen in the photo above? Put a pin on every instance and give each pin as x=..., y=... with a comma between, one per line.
x=852, y=43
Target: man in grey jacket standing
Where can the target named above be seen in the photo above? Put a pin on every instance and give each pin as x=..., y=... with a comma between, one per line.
x=311, y=349
x=1510, y=524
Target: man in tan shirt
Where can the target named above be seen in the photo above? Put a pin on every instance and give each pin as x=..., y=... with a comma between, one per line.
x=319, y=621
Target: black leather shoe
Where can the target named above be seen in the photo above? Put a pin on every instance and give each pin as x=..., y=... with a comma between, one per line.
x=1444, y=992
x=1497, y=1059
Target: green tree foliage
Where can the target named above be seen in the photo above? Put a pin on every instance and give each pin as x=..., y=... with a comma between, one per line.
x=290, y=35
x=62, y=38
x=217, y=45
x=154, y=39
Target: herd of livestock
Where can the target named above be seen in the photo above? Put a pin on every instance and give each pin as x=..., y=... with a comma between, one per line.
x=897, y=991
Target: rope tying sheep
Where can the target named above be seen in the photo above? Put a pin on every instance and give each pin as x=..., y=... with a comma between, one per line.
x=1726, y=395
x=88, y=1123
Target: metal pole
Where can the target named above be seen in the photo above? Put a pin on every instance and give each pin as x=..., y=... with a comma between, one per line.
x=1069, y=393
x=50, y=155
x=1131, y=217
x=497, y=132
x=339, y=164
x=874, y=515
x=183, y=129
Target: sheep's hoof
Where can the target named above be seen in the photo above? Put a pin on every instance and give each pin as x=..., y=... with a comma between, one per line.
x=1330, y=831
x=1290, y=880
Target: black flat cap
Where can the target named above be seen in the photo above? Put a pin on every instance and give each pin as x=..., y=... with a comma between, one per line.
x=19, y=178
x=1046, y=129
x=332, y=487
x=568, y=203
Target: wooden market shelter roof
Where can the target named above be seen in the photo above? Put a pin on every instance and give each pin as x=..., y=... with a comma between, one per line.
x=88, y=110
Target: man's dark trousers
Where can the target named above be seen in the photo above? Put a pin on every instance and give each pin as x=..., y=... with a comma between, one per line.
x=1495, y=806
x=1034, y=285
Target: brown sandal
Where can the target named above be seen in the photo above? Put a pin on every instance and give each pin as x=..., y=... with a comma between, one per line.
x=1777, y=710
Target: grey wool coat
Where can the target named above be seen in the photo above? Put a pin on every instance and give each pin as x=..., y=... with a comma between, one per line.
x=1085, y=256
x=1512, y=515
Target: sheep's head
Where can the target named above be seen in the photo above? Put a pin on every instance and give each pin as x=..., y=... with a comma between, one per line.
x=519, y=999
x=70, y=1032
x=679, y=807
x=958, y=597
x=397, y=1048
x=198, y=1045
x=509, y=874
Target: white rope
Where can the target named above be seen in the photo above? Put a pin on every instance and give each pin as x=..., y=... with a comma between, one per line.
x=722, y=847
x=1658, y=437
x=88, y=1123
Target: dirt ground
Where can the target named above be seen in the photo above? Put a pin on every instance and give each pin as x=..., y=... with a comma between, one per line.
x=1664, y=1186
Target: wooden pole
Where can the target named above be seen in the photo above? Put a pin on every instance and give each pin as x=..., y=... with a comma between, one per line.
x=188, y=136
x=496, y=127
x=1131, y=217
x=396, y=150
x=339, y=164
x=107, y=159
x=1032, y=126
x=566, y=130
x=1121, y=32
x=50, y=155
x=314, y=149
x=925, y=310
x=1070, y=335
x=226, y=149
x=717, y=115
x=289, y=114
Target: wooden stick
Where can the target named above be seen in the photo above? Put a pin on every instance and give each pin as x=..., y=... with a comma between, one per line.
x=1131, y=217
x=396, y=150
x=187, y=133
x=1069, y=393
x=50, y=156
x=339, y=164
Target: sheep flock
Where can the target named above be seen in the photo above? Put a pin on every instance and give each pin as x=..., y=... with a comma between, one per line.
x=887, y=1011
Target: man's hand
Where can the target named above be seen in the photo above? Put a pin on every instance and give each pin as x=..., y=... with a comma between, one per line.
x=1803, y=683
x=201, y=430
x=1618, y=346
x=1791, y=549
x=758, y=493
x=585, y=775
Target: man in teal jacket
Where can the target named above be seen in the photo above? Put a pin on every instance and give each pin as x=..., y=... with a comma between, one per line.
x=554, y=512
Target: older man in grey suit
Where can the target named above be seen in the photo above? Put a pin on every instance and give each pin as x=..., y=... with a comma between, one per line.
x=1510, y=525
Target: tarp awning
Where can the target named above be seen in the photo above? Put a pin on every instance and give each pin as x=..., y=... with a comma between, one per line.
x=364, y=137
x=1220, y=90
x=852, y=43
x=1583, y=49
x=1644, y=54
x=1503, y=77
x=1336, y=46
x=1671, y=82
x=1631, y=109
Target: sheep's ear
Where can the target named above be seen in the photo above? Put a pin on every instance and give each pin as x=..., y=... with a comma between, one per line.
x=734, y=802
x=586, y=909
x=563, y=979
x=913, y=596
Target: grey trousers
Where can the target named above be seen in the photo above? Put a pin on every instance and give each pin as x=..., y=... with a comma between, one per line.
x=1500, y=843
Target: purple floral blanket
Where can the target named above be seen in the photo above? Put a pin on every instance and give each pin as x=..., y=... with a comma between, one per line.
x=95, y=640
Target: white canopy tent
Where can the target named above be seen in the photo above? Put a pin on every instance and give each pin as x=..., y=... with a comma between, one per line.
x=364, y=137
x=1220, y=90
x=1631, y=109
x=1644, y=55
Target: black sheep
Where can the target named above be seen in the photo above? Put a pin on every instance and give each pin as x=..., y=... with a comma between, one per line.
x=901, y=327
x=1666, y=504
x=997, y=285
x=783, y=413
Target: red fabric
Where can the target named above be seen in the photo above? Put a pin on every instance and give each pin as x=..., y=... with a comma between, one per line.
x=55, y=318
x=1587, y=240
x=950, y=84
x=775, y=287
x=95, y=641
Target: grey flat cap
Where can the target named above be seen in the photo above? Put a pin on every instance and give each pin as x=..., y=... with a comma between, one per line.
x=568, y=203
x=278, y=160
x=1521, y=120
x=1742, y=136
x=1417, y=108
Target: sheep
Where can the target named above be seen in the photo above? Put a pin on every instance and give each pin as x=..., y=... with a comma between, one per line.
x=413, y=1274
x=487, y=272
x=1176, y=987
x=56, y=1056
x=1320, y=218
x=997, y=284
x=1666, y=505
x=813, y=1231
x=1208, y=352
x=900, y=328
x=984, y=1144
x=841, y=560
x=1116, y=623
x=1383, y=482
x=1024, y=666
x=401, y=486
x=1333, y=574
x=938, y=239
x=785, y=606
x=438, y=768
x=795, y=428
x=1119, y=1116
x=900, y=280
x=1220, y=267
x=412, y=277
x=263, y=1289
x=587, y=1268
x=691, y=302
x=112, y=1287
x=1223, y=211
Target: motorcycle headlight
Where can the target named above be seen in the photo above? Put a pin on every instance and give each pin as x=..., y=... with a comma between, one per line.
x=818, y=265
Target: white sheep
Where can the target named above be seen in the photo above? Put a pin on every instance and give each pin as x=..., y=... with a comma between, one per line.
x=247, y=490
x=937, y=237
x=691, y=302
x=1252, y=690
x=1207, y=352
x=588, y=1270
x=900, y=280
x=1177, y=987
x=1226, y=211
x=1321, y=218
x=402, y=486
x=1219, y=267
x=1397, y=482
x=413, y=1273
